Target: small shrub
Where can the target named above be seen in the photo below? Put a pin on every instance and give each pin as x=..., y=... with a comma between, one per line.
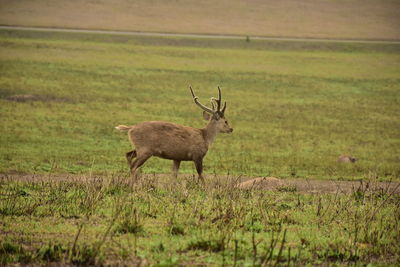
x=288, y=188
x=130, y=222
x=9, y=248
x=127, y=226
x=10, y=253
x=158, y=248
x=171, y=261
x=51, y=252
x=177, y=230
x=207, y=245
x=84, y=255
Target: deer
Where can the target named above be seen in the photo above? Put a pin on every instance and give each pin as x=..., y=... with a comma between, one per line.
x=176, y=142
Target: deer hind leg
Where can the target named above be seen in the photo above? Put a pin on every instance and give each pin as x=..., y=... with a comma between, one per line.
x=139, y=161
x=175, y=167
x=130, y=155
x=199, y=167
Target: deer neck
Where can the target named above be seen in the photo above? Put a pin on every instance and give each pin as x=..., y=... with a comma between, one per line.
x=211, y=132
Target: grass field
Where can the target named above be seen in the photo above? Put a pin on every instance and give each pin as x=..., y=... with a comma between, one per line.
x=295, y=107
x=348, y=19
x=165, y=222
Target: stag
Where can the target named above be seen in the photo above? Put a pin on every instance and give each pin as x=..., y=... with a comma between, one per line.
x=176, y=142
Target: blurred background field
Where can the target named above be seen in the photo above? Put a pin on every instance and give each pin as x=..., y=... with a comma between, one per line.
x=349, y=19
x=295, y=106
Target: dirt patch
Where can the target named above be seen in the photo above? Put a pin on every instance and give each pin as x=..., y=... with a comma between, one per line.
x=317, y=186
x=32, y=98
x=300, y=185
x=261, y=182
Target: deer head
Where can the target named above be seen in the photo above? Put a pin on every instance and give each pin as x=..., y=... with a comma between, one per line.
x=215, y=115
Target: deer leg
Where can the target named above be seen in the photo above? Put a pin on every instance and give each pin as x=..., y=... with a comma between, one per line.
x=130, y=155
x=175, y=167
x=199, y=168
x=139, y=161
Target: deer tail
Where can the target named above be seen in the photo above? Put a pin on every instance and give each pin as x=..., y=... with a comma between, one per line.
x=123, y=128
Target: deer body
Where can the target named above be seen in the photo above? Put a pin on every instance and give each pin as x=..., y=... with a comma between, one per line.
x=168, y=140
x=173, y=141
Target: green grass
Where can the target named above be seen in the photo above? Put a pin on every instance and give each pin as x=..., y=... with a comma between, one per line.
x=294, y=106
x=164, y=222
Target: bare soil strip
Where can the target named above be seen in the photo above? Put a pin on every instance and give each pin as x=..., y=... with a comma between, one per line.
x=300, y=185
x=318, y=186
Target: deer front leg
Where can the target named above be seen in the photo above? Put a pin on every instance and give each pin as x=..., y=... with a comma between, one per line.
x=199, y=168
x=175, y=167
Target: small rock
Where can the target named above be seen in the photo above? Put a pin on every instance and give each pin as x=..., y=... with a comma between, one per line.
x=346, y=159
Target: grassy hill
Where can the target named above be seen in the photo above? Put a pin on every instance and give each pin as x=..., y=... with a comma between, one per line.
x=359, y=19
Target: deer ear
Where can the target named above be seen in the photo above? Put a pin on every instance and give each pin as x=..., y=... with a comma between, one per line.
x=206, y=115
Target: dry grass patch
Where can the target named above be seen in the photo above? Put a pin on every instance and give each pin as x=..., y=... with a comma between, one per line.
x=359, y=19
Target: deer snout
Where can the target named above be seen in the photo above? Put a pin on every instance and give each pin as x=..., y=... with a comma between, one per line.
x=226, y=130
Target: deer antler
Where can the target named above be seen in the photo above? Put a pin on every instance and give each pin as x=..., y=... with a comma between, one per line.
x=196, y=100
x=217, y=101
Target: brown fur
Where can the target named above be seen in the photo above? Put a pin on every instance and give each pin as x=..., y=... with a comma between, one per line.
x=168, y=140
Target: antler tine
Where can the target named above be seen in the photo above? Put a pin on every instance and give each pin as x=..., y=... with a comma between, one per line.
x=223, y=109
x=196, y=100
x=212, y=103
x=219, y=93
x=191, y=90
x=219, y=99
